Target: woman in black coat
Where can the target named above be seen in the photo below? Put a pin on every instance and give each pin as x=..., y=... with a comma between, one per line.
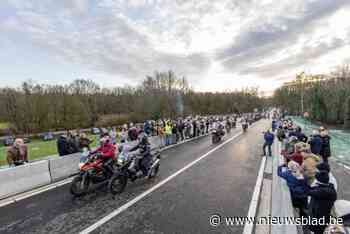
x=325, y=148
x=322, y=200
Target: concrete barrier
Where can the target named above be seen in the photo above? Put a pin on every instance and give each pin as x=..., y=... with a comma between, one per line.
x=63, y=167
x=281, y=202
x=66, y=166
x=24, y=178
x=155, y=142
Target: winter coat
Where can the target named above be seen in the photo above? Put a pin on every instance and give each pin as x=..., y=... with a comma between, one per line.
x=84, y=143
x=326, y=148
x=322, y=200
x=147, y=128
x=145, y=150
x=297, y=157
x=297, y=187
x=316, y=144
x=15, y=154
x=268, y=138
x=106, y=150
x=280, y=134
x=132, y=134
x=62, y=146
x=274, y=125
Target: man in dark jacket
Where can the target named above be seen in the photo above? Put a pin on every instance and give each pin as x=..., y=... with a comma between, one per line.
x=326, y=148
x=145, y=152
x=181, y=127
x=62, y=145
x=280, y=133
x=194, y=124
x=274, y=125
x=322, y=200
x=315, y=143
x=268, y=137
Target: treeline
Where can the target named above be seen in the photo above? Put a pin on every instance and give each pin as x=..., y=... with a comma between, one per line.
x=36, y=107
x=325, y=97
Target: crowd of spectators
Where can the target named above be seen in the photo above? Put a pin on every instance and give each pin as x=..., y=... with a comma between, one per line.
x=306, y=170
x=170, y=131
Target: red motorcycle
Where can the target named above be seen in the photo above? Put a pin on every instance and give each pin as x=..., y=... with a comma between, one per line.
x=93, y=171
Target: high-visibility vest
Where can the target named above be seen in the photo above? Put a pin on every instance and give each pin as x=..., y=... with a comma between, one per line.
x=168, y=129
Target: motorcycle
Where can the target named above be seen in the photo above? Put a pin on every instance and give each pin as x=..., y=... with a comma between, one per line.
x=128, y=169
x=228, y=128
x=245, y=127
x=92, y=172
x=216, y=135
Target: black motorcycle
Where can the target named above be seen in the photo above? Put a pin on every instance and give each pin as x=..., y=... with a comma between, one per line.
x=244, y=127
x=128, y=168
x=228, y=127
x=216, y=135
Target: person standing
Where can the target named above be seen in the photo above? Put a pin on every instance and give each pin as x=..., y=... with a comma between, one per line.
x=84, y=142
x=274, y=125
x=194, y=125
x=17, y=154
x=268, y=137
x=62, y=145
x=113, y=135
x=315, y=142
x=323, y=196
x=326, y=148
x=168, y=132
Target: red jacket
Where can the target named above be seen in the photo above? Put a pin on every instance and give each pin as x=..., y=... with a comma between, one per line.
x=297, y=157
x=106, y=150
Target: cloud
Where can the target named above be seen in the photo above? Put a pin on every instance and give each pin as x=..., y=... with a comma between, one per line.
x=257, y=41
x=267, y=39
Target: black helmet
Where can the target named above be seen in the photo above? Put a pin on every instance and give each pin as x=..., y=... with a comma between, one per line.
x=143, y=139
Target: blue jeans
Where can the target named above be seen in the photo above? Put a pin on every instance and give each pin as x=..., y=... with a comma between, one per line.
x=268, y=147
x=167, y=139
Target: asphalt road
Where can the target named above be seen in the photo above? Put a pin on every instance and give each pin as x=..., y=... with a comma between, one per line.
x=222, y=183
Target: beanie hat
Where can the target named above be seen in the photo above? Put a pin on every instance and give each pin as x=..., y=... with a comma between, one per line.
x=323, y=177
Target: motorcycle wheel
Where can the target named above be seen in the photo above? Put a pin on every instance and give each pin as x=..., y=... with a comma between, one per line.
x=213, y=140
x=154, y=171
x=117, y=184
x=77, y=188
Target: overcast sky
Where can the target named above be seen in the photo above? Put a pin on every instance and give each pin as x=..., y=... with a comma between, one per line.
x=218, y=45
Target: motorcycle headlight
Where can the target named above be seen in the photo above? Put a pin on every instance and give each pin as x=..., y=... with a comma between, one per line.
x=120, y=161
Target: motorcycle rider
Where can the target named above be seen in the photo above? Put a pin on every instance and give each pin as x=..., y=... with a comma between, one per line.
x=145, y=155
x=107, y=152
x=220, y=126
x=244, y=122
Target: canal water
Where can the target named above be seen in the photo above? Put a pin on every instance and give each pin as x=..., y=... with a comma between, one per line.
x=340, y=140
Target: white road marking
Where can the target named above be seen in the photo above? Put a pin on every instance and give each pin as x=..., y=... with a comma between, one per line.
x=16, y=198
x=147, y=192
x=248, y=227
